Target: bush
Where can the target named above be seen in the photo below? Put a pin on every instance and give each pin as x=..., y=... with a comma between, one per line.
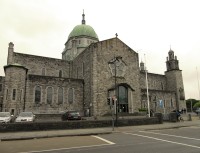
x=142, y=109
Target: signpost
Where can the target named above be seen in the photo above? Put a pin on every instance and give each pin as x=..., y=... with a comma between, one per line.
x=112, y=101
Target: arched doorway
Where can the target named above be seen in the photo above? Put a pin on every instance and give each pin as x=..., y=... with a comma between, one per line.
x=122, y=99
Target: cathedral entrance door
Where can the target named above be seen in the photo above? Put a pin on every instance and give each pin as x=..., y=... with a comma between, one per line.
x=122, y=99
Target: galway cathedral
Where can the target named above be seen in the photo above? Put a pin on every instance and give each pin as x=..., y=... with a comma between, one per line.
x=89, y=72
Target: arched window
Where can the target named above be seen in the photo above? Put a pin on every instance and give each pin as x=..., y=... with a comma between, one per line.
x=49, y=95
x=144, y=101
x=162, y=87
x=60, y=73
x=37, y=94
x=71, y=95
x=14, y=94
x=172, y=103
x=60, y=95
x=123, y=99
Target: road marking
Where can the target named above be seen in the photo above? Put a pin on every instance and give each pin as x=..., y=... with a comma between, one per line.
x=170, y=135
x=107, y=141
x=79, y=147
x=66, y=148
x=183, y=144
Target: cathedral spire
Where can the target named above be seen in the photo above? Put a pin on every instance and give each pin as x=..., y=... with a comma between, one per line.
x=83, y=18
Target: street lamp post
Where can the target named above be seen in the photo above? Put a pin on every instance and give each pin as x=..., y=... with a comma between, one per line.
x=116, y=89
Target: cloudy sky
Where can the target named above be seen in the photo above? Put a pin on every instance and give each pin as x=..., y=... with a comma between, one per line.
x=150, y=27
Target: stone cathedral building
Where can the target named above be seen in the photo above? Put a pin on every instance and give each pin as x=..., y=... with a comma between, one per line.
x=89, y=72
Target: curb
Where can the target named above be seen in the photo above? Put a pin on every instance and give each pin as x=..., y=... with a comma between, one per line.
x=51, y=136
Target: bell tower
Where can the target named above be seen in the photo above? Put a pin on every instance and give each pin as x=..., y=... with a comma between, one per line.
x=175, y=79
x=172, y=62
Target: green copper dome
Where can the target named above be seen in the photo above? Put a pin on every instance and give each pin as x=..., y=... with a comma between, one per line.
x=83, y=30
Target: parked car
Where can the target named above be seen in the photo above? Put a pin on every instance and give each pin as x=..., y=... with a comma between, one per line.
x=25, y=117
x=197, y=110
x=71, y=115
x=5, y=117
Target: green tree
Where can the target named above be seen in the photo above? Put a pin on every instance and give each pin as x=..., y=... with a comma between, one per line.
x=190, y=102
x=197, y=104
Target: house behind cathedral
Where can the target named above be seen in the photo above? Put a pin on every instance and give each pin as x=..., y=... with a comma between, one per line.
x=89, y=72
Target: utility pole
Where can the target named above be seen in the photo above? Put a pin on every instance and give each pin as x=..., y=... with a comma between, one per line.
x=198, y=82
x=147, y=88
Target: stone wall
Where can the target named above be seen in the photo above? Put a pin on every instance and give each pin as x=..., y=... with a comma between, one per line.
x=2, y=82
x=104, y=52
x=15, y=81
x=82, y=68
x=55, y=82
x=155, y=81
x=98, y=78
x=175, y=83
x=75, y=46
x=35, y=64
x=158, y=91
x=40, y=126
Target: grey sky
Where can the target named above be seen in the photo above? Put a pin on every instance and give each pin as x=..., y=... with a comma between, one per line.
x=41, y=27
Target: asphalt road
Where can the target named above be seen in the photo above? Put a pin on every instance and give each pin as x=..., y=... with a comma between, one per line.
x=179, y=140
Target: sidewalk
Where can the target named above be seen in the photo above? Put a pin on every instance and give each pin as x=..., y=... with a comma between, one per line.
x=95, y=131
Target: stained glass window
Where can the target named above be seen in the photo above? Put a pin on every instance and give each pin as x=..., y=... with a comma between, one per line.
x=37, y=94
x=60, y=95
x=49, y=95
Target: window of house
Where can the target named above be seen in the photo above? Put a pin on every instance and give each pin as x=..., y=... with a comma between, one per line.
x=37, y=94
x=60, y=95
x=71, y=95
x=49, y=95
x=14, y=94
x=43, y=71
x=60, y=73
